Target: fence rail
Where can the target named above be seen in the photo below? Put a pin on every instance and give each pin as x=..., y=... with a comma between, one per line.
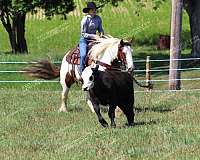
x=135, y=61
x=35, y=81
x=142, y=81
x=136, y=71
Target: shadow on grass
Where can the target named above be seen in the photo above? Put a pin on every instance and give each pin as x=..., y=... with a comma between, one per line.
x=76, y=109
x=156, y=109
x=6, y=53
x=142, y=123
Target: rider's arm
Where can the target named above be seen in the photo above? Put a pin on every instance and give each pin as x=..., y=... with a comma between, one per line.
x=84, y=30
x=100, y=28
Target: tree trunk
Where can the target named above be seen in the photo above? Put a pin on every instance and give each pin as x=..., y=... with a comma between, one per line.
x=16, y=32
x=8, y=27
x=20, y=33
x=193, y=9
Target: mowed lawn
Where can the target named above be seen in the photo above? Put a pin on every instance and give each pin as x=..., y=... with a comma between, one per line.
x=167, y=127
x=166, y=124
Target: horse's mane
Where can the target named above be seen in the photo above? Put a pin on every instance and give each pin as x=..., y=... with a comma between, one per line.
x=101, y=45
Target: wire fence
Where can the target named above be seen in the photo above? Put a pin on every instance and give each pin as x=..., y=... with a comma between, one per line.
x=136, y=71
x=167, y=60
x=135, y=61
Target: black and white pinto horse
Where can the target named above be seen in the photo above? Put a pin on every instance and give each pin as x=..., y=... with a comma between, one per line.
x=104, y=52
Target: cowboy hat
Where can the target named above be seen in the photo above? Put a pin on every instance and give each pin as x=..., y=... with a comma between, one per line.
x=90, y=5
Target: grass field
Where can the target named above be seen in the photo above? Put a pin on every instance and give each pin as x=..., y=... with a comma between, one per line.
x=167, y=127
x=167, y=124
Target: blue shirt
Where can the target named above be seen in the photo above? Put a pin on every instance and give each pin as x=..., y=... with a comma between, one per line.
x=90, y=25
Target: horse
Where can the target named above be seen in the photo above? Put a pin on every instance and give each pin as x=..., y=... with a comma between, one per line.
x=103, y=52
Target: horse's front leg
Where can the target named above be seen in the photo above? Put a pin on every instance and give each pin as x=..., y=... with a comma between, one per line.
x=64, y=95
x=66, y=82
x=90, y=105
x=89, y=102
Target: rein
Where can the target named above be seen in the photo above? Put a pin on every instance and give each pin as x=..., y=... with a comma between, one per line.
x=107, y=66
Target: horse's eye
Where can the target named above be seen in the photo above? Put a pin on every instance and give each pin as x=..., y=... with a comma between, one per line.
x=91, y=78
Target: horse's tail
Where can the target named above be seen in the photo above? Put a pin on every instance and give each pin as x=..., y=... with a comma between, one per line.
x=43, y=69
x=149, y=86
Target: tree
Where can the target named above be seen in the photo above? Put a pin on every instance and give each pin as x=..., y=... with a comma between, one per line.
x=13, y=17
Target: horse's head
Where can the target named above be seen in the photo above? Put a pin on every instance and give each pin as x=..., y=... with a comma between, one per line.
x=125, y=54
x=88, y=76
x=108, y=49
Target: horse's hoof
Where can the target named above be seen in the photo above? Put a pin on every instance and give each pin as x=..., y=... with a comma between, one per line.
x=62, y=110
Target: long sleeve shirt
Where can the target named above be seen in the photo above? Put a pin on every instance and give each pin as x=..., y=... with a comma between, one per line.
x=90, y=25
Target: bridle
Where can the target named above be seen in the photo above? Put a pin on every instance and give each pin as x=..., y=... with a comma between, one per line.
x=121, y=56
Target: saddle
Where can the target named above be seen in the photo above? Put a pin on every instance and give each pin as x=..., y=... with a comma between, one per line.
x=73, y=57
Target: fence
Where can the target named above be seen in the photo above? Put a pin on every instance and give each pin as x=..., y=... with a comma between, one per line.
x=148, y=71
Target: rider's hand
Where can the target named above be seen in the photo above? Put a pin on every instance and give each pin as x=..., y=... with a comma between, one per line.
x=101, y=34
x=97, y=36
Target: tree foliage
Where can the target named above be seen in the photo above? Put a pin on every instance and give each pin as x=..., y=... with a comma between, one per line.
x=140, y=3
x=13, y=16
x=51, y=7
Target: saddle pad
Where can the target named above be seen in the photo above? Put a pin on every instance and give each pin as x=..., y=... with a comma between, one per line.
x=74, y=56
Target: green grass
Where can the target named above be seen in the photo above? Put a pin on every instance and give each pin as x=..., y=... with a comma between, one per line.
x=166, y=128
x=167, y=124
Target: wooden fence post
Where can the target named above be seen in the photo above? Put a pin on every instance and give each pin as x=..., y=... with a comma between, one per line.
x=175, y=46
x=148, y=72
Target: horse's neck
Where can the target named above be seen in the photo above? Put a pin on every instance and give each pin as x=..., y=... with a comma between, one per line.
x=109, y=55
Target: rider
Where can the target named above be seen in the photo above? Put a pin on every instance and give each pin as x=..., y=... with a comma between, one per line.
x=90, y=24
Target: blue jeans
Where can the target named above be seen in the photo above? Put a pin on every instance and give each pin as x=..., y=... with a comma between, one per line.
x=83, y=52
